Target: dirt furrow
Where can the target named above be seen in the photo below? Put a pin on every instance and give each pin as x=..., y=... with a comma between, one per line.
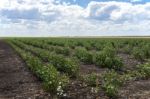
x=16, y=80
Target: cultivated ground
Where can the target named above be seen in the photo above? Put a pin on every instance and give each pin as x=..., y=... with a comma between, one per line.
x=16, y=81
x=136, y=89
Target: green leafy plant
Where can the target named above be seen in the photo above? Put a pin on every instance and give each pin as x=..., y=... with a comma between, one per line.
x=99, y=59
x=127, y=49
x=92, y=79
x=146, y=50
x=51, y=78
x=108, y=60
x=138, y=53
x=111, y=83
x=62, y=50
x=83, y=55
x=144, y=70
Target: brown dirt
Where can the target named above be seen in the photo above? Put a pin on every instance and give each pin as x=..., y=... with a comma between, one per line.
x=132, y=90
x=139, y=89
x=78, y=89
x=129, y=62
x=135, y=90
x=16, y=81
x=88, y=69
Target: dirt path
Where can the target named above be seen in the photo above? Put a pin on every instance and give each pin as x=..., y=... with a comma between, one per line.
x=16, y=81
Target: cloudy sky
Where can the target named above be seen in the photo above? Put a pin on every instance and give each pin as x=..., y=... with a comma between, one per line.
x=74, y=17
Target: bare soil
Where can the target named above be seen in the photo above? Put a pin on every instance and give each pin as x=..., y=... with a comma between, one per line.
x=16, y=80
x=78, y=89
x=138, y=89
x=129, y=62
x=135, y=90
x=88, y=69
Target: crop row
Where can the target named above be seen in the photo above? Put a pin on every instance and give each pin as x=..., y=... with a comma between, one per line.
x=57, y=49
x=53, y=81
x=105, y=58
x=139, y=48
x=54, y=68
x=63, y=64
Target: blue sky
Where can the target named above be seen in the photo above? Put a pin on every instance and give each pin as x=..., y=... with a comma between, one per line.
x=74, y=17
x=84, y=3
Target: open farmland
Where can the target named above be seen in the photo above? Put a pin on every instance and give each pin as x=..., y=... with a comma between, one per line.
x=76, y=68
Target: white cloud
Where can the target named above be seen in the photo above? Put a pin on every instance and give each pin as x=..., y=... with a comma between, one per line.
x=119, y=11
x=45, y=18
